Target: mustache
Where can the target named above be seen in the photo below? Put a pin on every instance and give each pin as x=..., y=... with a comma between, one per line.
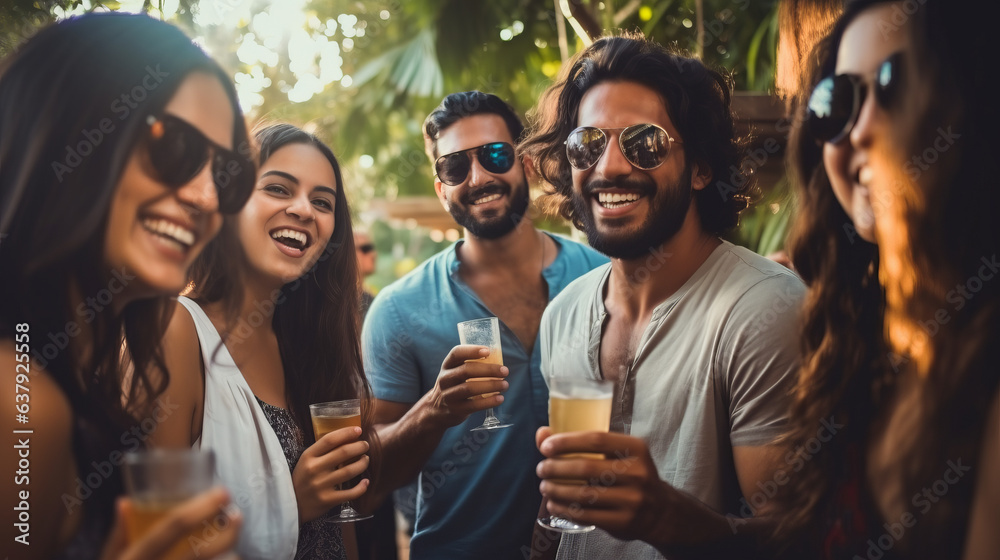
x=644, y=186
x=492, y=188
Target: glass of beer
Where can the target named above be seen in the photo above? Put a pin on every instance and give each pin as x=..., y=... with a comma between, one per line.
x=330, y=416
x=159, y=479
x=484, y=332
x=577, y=404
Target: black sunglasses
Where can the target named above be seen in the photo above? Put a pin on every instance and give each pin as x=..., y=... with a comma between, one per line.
x=179, y=151
x=452, y=169
x=836, y=100
x=646, y=146
x=366, y=248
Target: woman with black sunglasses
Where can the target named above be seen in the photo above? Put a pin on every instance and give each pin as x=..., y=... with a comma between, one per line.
x=272, y=326
x=895, y=354
x=119, y=145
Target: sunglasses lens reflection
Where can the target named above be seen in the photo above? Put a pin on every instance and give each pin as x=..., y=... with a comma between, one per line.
x=832, y=108
x=497, y=157
x=644, y=145
x=585, y=146
x=453, y=168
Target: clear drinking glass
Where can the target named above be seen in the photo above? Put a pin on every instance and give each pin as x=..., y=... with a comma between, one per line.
x=577, y=404
x=159, y=479
x=330, y=416
x=484, y=332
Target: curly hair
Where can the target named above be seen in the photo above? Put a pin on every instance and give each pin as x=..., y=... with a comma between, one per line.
x=697, y=100
x=943, y=233
x=939, y=231
x=844, y=365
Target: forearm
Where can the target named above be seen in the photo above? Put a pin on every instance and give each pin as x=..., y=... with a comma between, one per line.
x=406, y=445
x=710, y=535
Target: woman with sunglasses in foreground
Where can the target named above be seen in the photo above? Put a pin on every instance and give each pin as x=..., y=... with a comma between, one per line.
x=118, y=150
x=270, y=328
x=895, y=354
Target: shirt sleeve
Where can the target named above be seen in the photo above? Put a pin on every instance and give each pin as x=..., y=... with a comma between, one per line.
x=389, y=362
x=758, y=358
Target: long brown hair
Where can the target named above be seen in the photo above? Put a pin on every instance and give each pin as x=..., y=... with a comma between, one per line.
x=844, y=366
x=316, y=317
x=945, y=214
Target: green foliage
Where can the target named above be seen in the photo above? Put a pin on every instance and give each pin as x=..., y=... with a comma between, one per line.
x=408, y=54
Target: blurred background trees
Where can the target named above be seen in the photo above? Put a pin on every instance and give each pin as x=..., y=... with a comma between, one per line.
x=364, y=74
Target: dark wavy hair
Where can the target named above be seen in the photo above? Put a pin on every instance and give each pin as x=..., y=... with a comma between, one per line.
x=317, y=317
x=55, y=92
x=457, y=106
x=945, y=233
x=940, y=226
x=697, y=100
x=844, y=365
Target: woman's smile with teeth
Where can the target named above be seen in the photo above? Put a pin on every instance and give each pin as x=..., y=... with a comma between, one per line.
x=616, y=200
x=487, y=198
x=170, y=231
x=298, y=238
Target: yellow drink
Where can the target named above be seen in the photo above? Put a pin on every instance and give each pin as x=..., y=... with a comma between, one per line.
x=323, y=425
x=145, y=515
x=495, y=357
x=580, y=414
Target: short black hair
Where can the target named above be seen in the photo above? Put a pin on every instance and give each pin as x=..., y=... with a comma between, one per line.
x=466, y=104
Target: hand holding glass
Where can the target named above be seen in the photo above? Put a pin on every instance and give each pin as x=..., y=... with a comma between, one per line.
x=484, y=332
x=330, y=416
x=161, y=479
x=577, y=404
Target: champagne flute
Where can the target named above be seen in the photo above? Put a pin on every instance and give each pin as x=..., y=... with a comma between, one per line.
x=577, y=404
x=484, y=332
x=330, y=416
x=159, y=479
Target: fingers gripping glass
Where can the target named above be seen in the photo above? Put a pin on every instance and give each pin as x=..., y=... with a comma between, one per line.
x=452, y=169
x=179, y=151
x=646, y=146
x=836, y=100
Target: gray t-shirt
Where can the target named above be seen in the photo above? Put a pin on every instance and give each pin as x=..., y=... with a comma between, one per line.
x=713, y=370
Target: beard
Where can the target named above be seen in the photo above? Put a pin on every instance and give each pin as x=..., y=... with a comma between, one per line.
x=497, y=224
x=667, y=210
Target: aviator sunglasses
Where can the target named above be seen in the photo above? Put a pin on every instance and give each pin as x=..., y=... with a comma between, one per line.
x=836, y=100
x=179, y=151
x=452, y=169
x=646, y=146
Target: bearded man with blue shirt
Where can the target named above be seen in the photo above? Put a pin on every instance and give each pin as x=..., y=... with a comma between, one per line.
x=478, y=493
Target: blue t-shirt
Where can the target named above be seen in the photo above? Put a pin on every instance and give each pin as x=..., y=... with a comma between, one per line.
x=478, y=494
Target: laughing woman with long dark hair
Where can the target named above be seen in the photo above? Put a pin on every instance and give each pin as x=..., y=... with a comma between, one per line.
x=119, y=147
x=270, y=328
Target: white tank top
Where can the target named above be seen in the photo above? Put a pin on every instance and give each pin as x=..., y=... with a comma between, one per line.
x=249, y=459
